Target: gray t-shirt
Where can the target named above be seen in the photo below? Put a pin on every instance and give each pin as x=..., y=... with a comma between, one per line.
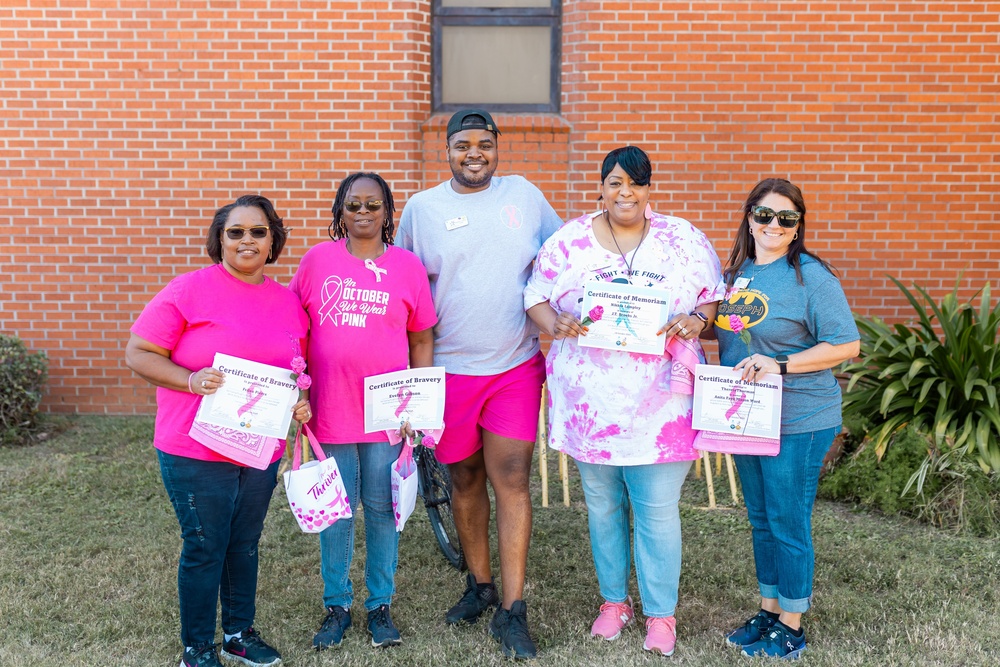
x=478, y=249
x=786, y=317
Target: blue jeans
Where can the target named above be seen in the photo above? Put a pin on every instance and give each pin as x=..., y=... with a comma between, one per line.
x=221, y=509
x=365, y=469
x=779, y=492
x=653, y=492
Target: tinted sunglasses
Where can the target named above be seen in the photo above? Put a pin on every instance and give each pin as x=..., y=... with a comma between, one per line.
x=762, y=215
x=355, y=206
x=237, y=233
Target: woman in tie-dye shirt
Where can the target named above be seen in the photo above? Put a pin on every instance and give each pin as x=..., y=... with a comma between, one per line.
x=626, y=417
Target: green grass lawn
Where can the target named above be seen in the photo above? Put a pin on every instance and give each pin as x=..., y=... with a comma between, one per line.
x=89, y=545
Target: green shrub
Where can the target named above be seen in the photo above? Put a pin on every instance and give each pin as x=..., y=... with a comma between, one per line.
x=878, y=483
x=939, y=376
x=22, y=377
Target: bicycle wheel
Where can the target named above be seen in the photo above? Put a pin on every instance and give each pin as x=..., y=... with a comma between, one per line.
x=435, y=488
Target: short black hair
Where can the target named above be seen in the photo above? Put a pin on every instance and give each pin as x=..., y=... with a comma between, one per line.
x=279, y=234
x=338, y=230
x=633, y=160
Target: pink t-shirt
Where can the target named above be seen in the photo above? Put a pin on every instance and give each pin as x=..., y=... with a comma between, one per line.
x=203, y=312
x=360, y=315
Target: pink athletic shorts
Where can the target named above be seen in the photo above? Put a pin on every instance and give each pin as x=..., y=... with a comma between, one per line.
x=506, y=404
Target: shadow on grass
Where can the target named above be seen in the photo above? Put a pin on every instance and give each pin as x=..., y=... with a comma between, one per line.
x=89, y=544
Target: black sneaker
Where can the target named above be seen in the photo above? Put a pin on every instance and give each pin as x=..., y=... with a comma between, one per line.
x=510, y=628
x=332, y=630
x=200, y=657
x=251, y=650
x=476, y=599
x=383, y=632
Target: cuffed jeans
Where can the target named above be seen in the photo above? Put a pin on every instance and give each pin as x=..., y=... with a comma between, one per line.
x=365, y=469
x=653, y=492
x=221, y=508
x=780, y=492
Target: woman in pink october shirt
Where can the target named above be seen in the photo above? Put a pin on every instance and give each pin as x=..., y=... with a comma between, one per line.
x=621, y=415
x=370, y=309
x=233, y=308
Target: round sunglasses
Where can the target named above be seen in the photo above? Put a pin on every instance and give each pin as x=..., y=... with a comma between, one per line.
x=762, y=215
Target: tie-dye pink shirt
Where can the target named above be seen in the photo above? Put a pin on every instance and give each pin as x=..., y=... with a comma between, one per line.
x=613, y=407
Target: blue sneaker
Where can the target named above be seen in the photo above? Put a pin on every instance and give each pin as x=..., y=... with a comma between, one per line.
x=332, y=630
x=382, y=630
x=779, y=643
x=752, y=631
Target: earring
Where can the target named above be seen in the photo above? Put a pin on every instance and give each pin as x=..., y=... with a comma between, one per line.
x=270, y=254
x=796, y=236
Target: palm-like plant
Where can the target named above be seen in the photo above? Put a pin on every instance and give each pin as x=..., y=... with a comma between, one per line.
x=941, y=375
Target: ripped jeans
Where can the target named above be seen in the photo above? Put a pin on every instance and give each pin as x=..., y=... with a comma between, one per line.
x=221, y=509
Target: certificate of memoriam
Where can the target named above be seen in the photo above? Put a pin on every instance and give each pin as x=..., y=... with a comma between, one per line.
x=415, y=395
x=624, y=317
x=255, y=398
x=724, y=403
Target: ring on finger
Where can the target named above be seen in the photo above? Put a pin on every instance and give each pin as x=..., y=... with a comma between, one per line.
x=204, y=384
x=756, y=368
x=684, y=331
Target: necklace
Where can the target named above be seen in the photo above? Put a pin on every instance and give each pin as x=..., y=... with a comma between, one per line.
x=756, y=273
x=628, y=264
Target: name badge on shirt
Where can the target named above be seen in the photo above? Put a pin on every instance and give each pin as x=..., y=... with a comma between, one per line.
x=741, y=283
x=455, y=223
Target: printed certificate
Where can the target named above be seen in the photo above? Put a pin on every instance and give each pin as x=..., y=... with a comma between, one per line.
x=723, y=403
x=624, y=317
x=415, y=395
x=256, y=398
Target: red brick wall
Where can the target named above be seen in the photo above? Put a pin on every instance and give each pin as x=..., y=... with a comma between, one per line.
x=121, y=131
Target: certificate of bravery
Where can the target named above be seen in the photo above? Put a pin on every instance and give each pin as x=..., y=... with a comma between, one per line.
x=256, y=398
x=724, y=403
x=624, y=317
x=415, y=395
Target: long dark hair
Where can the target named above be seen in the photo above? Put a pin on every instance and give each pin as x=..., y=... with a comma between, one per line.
x=743, y=246
x=337, y=228
x=279, y=233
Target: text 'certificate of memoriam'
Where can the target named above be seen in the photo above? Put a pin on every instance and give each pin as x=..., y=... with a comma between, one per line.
x=724, y=403
x=415, y=395
x=255, y=398
x=624, y=317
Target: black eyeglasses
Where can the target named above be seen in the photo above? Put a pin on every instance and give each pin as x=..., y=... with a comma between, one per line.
x=762, y=215
x=355, y=206
x=237, y=233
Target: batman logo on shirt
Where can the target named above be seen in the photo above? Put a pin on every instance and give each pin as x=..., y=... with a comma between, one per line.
x=749, y=305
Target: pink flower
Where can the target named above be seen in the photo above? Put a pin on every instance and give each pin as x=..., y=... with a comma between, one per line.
x=595, y=315
x=298, y=365
x=428, y=442
x=736, y=324
x=303, y=381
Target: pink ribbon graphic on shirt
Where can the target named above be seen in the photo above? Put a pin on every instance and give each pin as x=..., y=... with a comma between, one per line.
x=252, y=399
x=331, y=294
x=737, y=400
x=404, y=395
x=373, y=267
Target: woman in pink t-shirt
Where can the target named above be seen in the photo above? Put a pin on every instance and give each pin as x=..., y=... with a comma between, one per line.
x=370, y=312
x=233, y=308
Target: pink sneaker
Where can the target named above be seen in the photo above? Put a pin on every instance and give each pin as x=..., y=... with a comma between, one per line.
x=661, y=635
x=613, y=617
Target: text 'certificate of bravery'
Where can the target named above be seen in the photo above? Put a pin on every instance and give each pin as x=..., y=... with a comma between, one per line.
x=724, y=403
x=624, y=317
x=255, y=398
x=415, y=395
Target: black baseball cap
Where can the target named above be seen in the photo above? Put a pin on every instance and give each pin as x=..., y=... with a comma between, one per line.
x=471, y=119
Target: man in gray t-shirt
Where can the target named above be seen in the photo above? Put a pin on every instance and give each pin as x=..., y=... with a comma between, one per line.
x=477, y=234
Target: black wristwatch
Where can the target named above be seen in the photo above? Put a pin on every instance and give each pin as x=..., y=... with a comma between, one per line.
x=701, y=316
x=782, y=360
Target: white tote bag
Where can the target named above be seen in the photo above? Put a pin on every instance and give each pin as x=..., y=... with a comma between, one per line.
x=404, y=486
x=315, y=490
